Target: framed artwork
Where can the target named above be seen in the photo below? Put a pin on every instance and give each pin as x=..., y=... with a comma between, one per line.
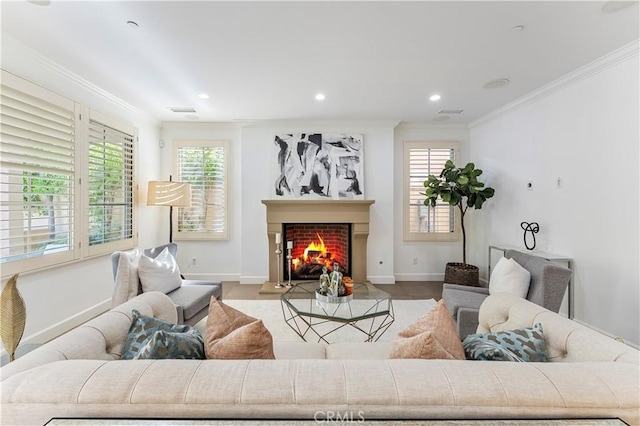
x=319, y=165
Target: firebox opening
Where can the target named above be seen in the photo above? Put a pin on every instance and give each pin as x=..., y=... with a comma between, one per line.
x=315, y=246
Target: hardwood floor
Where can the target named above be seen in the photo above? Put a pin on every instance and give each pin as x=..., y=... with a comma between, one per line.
x=401, y=290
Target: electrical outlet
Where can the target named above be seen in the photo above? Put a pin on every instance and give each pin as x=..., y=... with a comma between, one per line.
x=193, y=260
x=415, y=260
x=559, y=182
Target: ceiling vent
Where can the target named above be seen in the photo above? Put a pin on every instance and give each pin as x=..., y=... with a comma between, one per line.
x=450, y=111
x=182, y=109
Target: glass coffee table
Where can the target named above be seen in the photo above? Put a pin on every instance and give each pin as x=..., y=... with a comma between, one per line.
x=369, y=312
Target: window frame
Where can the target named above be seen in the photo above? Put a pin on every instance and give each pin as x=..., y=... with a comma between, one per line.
x=53, y=259
x=79, y=248
x=122, y=244
x=408, y=235
x=212, y=236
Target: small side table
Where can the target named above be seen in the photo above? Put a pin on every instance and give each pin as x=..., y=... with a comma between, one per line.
x=548, y=256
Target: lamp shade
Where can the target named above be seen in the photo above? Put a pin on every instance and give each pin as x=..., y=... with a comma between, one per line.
x=167, y=193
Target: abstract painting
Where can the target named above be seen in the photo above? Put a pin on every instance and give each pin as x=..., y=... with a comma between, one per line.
x=318, y=165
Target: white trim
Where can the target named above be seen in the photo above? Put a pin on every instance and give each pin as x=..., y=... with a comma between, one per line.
x=58, y=329
x=12, y=48
x=293, y=125
x=251, y=279
x=381, y=279
x=611, y=59
x=428, y=276
x=213, y=277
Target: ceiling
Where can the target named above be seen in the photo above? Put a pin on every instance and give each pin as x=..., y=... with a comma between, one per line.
x=372, y=60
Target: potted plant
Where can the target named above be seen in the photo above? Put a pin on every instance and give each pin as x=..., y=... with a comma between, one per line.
x=458, y=187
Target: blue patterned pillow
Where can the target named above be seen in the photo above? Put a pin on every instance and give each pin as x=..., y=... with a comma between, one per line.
x=151, y=338
x=170, y=345
x=522, y=345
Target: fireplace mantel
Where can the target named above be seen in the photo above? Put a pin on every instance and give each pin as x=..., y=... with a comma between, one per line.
x=355, y=212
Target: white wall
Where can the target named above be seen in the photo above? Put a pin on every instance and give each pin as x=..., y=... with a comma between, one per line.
x=60, y=298
x=432, y=256
x=583, y=129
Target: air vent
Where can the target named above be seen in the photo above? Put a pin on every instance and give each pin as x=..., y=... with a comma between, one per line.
x=182, y=109
x=450, y=111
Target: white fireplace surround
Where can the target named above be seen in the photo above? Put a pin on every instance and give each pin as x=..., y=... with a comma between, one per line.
x=355, y=212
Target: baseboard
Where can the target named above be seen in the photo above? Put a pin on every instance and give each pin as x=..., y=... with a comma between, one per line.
x=420, y=277
x=381, y=279
x=63, y=326
x=253, y=280
x=212, y=277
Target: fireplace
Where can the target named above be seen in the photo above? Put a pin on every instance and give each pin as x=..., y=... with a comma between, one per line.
x=293, y=211
x=317, y=246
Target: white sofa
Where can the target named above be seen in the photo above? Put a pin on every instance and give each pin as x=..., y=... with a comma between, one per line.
x=79, y=375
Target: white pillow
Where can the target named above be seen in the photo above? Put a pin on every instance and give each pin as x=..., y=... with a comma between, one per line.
x=509, y=277
x=126, y=286
x=159, y=274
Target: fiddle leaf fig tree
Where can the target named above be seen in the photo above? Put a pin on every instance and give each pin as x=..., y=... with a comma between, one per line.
x=458, y=187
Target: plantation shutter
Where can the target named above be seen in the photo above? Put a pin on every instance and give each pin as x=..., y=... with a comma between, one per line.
x=37, y=176
x=203, y=165
x=111, y=185
x=422, y=160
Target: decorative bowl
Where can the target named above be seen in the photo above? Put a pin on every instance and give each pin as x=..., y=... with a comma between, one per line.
x=332, y=299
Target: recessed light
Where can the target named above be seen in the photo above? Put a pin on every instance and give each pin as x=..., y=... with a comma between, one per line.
x=441, y=118
x=40, y=2
x=203, y=96
x=517, y=28
x=320, y=97
x=497, y=83
x=133, y=25
x=435, y=97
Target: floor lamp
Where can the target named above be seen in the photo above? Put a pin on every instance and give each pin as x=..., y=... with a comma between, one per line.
x=169, y=193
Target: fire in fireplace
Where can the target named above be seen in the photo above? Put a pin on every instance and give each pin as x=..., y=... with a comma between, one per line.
x=316, y=246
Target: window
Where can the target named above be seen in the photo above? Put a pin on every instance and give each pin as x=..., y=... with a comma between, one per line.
x=45, y=218
x=203, y=165
x=421, y=222
x=37, y=177
x=110, y=184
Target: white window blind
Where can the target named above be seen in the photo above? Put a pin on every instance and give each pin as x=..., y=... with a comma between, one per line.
x=425, y=222
x=37, y=176
x=203, y=165
x=111, y=185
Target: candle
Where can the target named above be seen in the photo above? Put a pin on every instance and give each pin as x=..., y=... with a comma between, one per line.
x=289, y=244
x=278, y=238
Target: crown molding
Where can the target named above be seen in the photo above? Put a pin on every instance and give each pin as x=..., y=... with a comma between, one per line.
x=13, y=50
x=626, y=52
x=306, y=124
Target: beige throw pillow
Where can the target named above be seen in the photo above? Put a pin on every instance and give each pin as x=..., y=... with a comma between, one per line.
x=232, y=334
x=433, y=336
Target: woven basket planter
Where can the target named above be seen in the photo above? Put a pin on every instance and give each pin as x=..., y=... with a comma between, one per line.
x=459, y=273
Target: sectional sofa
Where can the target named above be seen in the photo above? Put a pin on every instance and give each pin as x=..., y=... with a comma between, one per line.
x=80, y=375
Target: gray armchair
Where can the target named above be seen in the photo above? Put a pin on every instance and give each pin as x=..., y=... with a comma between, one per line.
x=191, y=298
x=547, y=288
